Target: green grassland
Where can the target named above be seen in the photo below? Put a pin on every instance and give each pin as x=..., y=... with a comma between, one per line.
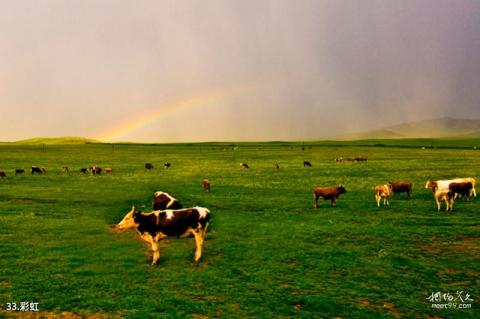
x=268, y=254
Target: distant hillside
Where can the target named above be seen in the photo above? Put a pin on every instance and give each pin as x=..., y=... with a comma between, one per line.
x=58, y=140
x=437, y=128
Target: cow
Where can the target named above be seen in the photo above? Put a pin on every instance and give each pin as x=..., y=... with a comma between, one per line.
x=108, y=170
x=19, y=171
x=157, y=225
x=277, y=166
x=401, y=187
x=444, y=184
x=383, y=191
x=307, y=164
x=441, y=194
x=65, y=169
x=360, y=159
x=36, y=170
x=350, y=159
x=206, y=185
x=83, y=170
x=2, y=174
x=95, y=170
x=162, y=200
x=244, y=165
x=148, y=166
x=331, y=193
x=167, y=165
x=339, y=159
x=463, y=189
x=43, y=170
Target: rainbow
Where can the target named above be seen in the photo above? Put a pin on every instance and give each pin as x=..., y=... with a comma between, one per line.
x=158, y=113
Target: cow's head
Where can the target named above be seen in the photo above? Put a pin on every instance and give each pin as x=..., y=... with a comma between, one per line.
x=128, y=221
x=430, y=184
x=341, y=189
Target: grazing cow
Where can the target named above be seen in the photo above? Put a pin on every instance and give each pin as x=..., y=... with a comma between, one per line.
x=157, y=225
x=307, y=164
x=277, y=166
x=383, y=191
x=2, y=174
x=44, y=170
x=108, y=170
x=149, y=166
x=83, y=170
x=441, y=194
x=36, y=170
x=95, y=170
x=331, y=193
x=206, y=185
x=463, y=189
x=162, y=201
x=360, y=159
x=166, y=165
x=339, y=159
x=19, y=171
x=401, y=187
x=244, y=165
x=65, y=169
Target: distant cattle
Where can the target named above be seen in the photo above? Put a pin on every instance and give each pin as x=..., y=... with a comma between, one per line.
x=83, y=170
x=464, y=189
x=65, y=169
x=277, y=166
x=331, y=193
x=383, y=191
x=37, y=170
x=44, y=170
x=19, y=171
x=206, y=185
x=108, y=170
x=148, y=166
x=401, y=187
x=339, y=159
x=163, y=200
x=244, y=165
x=95, y=170
x=360, y=159
x=157, y=225
x=166, y=165
x=2, y=174
x=307, y=164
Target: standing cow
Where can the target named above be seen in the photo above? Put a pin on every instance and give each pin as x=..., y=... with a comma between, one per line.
x=148, y=166
x=307, y=164
x=383, y=191
x=206, y=185
x=2, y=174
x=163, y=200
x=331, y=193
x=401, y=187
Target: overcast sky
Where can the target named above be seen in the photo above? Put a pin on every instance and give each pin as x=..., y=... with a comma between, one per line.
x=277, y=69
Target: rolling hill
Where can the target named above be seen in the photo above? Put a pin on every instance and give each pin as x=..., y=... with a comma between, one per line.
x=436, y=128
x=58, y=140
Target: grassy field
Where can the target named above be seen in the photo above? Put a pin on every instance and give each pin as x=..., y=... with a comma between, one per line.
x=268, y=254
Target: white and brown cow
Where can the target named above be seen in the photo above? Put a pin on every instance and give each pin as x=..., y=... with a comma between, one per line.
x=383, y=191
x=156, y=225
x=163, y=200
x=444, y=185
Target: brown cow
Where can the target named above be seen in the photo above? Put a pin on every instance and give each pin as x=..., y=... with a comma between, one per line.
x=206, y=185
x=462, y=188
x=401, y=187
x=307, y=164
x=108, y=170
x=331, y=193
x=2, y=174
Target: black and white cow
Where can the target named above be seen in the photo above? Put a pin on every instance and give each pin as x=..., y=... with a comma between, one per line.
x=156, y=225
x=162, y=200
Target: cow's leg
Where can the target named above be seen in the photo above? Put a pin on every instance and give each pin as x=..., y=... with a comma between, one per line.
x=198, y=243
x=204, y=232
x=334, y=201
x=386, y=201
x=156, y=252
x=438, y=203
x=315, y=201
x=377, y=199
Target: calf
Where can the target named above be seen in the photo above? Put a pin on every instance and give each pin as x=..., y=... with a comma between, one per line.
x=162, y=200
x=206, y=185
x=441, y=194
x=2, y=174
x=463, y=189
x=307, y=164
x=157, y=225
x=401, y=187
x=19, y=171
x=108, y=170
x=383, y=191
x=244, y=165
x=331, y=193
x=148, y=166
x=166, y=165
x=36, y=170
